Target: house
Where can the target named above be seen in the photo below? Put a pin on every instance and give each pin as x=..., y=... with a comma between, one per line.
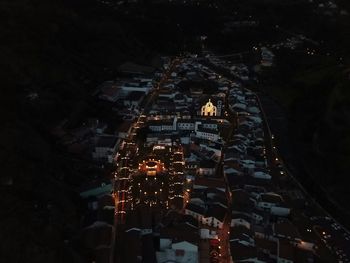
x=128, y=86
x=195, y=210
x=240, y=219
x=182, y=252
x=207, y=124
x=109, y=91
x=162, y=125
x=215, y=216
x=105, y=148
x=212, y=146
x=211, y=215
x=186, y=125
x=134, y=98
x=242, y=235
x=208, y=234
x=207, y=168
x=268, y=200
x=261, y=175
x=208, y=134
x=155, y=126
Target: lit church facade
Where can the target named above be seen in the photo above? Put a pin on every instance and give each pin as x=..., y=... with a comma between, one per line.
x=209, y=109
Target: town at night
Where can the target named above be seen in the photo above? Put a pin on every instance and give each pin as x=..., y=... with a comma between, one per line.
x=167, y=131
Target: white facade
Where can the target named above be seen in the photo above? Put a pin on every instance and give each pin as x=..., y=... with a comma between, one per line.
x=127, y=87
x=181, y=252
x=265, y=205
x=105, y=153
x=209, y=109
x=155, y=127
x=280, y=211
x=240, y=222
x=211, y=136
x=186, y=126
x=261, y=175
x=194, y=214
x=206, y=171
x=209, y=221
x=212, y=221
x=209, y=125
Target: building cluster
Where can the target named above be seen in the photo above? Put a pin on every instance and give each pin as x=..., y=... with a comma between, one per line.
x=260, y=229
x=208, y=205
x=195, y=179
x=186, y=129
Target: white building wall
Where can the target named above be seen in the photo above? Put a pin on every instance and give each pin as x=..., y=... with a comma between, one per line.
x=240, y=222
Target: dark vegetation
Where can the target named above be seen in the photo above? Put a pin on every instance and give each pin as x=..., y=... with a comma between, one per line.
x=53, y=55
x=314, y=93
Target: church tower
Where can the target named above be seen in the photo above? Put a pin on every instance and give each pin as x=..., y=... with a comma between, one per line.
x=209, y=109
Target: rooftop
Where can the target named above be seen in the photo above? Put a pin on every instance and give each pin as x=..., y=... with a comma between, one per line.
x=286, y=229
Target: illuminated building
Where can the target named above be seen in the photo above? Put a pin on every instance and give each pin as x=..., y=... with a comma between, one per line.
x=209, y=109
x=151, y=167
